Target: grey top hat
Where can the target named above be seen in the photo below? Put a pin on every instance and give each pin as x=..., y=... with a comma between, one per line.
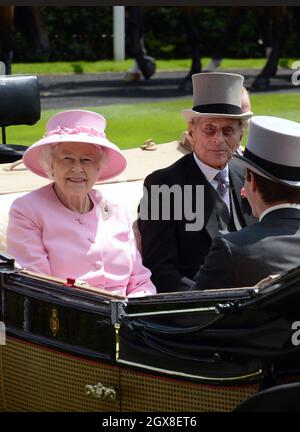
x=217, y=94
x=273, y=149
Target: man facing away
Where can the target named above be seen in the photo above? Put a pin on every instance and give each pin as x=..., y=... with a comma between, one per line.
x=187, y=204
x=272, y=185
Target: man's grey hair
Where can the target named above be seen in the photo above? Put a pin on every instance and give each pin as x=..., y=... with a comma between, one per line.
x=242, y=123
x=47, y=156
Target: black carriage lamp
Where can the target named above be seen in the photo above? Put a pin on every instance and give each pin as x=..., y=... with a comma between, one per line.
x=19, y=105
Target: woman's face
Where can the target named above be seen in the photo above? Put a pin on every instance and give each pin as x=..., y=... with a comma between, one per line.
x=75, y=167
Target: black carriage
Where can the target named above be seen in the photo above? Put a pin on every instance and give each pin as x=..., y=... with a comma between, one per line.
x=69, y=348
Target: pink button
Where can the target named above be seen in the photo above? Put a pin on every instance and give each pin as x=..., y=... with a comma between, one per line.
x=97, y=265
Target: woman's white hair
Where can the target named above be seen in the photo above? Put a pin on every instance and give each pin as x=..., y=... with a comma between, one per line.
x=47, y=156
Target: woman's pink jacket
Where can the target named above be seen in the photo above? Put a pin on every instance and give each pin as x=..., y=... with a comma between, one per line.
x=97, y=247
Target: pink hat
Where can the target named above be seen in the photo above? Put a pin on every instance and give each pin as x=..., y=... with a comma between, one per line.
x=77, y=126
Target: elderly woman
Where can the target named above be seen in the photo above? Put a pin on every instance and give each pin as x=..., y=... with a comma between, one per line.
x=67, y=228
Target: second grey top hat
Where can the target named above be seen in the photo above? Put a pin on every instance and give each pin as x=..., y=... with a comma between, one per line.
x=273, y=149
x=217, y=94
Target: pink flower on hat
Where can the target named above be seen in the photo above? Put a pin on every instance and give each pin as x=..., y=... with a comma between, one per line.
x=61, y=130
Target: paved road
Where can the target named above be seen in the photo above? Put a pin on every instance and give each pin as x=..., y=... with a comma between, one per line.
x=83, y=90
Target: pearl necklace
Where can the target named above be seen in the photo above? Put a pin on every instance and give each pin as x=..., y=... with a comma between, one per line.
x=86, y=208
x=88, y=205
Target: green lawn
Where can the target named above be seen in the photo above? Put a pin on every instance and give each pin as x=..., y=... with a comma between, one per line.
x=122, y=66
x=130, y=125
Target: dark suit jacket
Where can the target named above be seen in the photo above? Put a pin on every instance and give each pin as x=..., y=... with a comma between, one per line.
x=172, y=253
x=243, y=258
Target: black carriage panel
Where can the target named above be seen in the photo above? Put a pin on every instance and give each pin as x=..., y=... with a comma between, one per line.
x=175, y=338
x=57, y=316
x=220, y=336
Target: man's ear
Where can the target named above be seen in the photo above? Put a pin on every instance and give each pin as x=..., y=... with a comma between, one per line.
x=243, y=128
x=190, y=129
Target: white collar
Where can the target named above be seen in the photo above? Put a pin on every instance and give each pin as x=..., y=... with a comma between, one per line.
x=208, y=171
x=278, y=206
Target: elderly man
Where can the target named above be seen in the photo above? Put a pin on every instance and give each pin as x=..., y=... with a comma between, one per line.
x=272, y=185
x=192, y=201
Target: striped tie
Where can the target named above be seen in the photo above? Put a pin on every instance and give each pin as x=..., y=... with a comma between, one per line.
x=223, y=183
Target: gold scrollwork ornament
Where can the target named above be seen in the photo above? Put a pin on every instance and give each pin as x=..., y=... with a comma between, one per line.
x=54, y=322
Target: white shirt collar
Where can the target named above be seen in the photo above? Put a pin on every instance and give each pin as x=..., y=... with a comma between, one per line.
x=208, y=171
x=278, y=206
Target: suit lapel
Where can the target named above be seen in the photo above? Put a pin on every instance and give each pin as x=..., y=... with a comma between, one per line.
x=216, y=214
x=219, y=217
x=241, y=205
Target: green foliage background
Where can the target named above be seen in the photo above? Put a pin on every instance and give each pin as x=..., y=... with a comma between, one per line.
x=86, y=33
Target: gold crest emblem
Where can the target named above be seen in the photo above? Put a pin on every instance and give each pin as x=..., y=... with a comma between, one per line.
x=54, y=322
